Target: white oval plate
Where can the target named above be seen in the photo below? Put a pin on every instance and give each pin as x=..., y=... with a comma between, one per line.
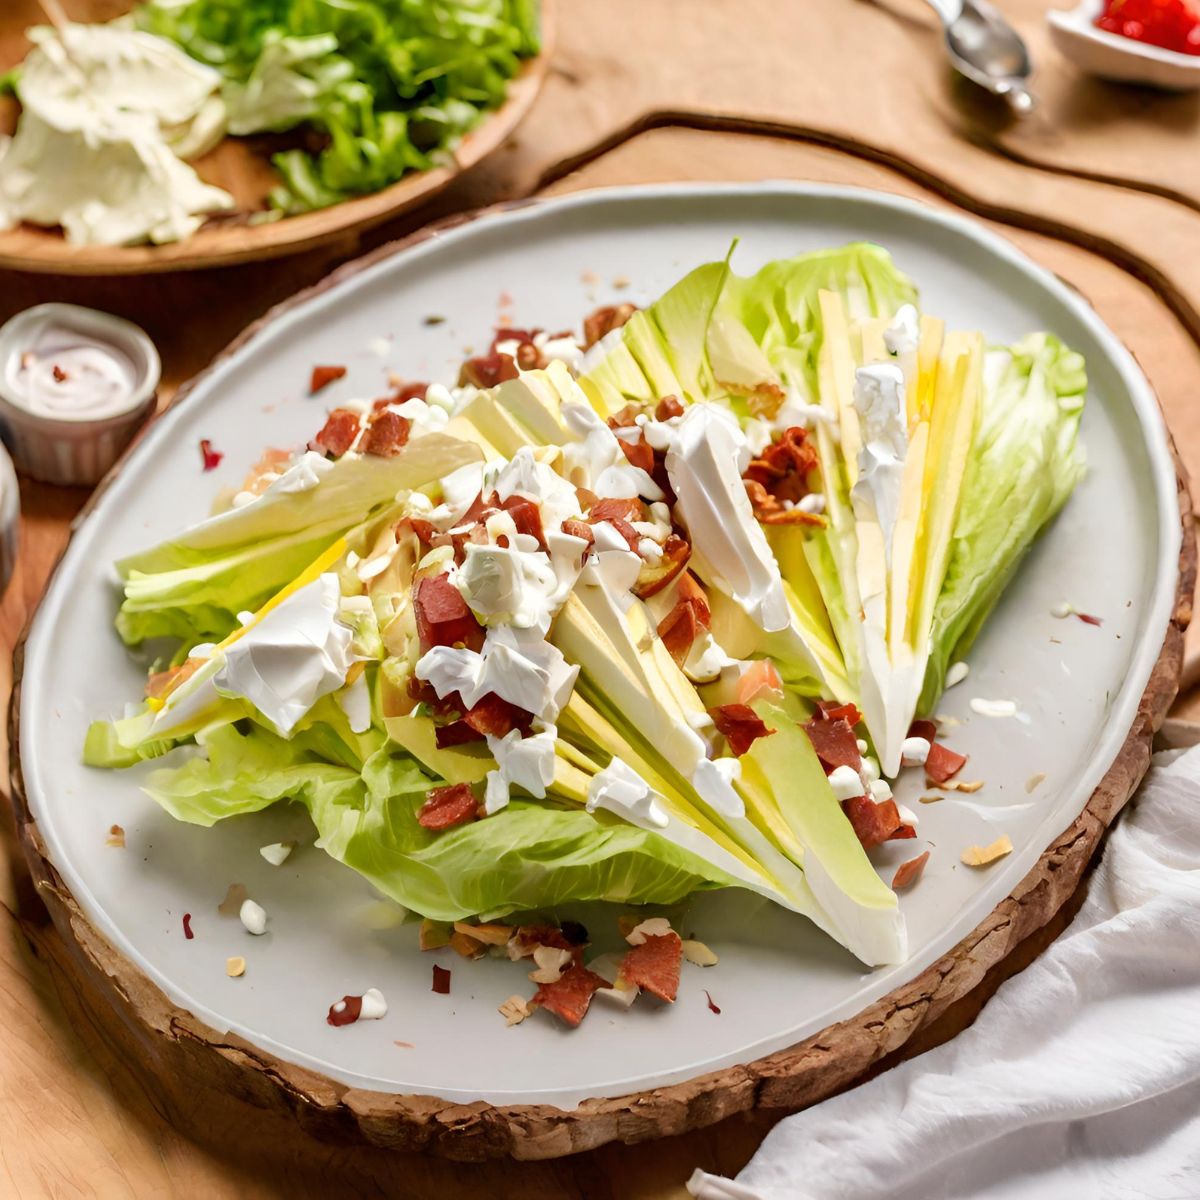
x=1113, y=552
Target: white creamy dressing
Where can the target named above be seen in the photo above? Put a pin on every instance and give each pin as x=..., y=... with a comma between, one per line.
x=621, y=790
x=282, y=664
x=107, y=115
x=880, y=404
x=705, y=461
x=69, y=375
x=595, y=459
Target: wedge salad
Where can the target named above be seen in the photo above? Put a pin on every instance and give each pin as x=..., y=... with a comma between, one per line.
x=622, y=615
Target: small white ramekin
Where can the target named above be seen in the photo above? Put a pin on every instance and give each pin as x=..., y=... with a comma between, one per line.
x=10, y=517
x=74, y=451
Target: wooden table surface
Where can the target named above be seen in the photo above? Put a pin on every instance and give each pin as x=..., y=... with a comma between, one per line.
x=1102, y=185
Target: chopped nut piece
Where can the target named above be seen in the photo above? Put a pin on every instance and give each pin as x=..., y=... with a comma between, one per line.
x=651, y=927
x=235, y=897
x=514, y=1010
x=959, y=785
x=116, y=837
x=466, y=946
x=698, y=954
x=490, y=935
x=933, y=799
x=551, y=963
x=980, y=856
x=235, y=967
x=1035, y=781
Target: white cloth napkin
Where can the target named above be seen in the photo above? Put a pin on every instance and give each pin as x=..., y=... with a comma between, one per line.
x=1079, y=1081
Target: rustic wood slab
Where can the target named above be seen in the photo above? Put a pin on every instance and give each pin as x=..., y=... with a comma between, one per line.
x=77, y=1112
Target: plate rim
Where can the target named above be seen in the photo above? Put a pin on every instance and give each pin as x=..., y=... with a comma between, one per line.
x=592, y=1122
x=40, y=251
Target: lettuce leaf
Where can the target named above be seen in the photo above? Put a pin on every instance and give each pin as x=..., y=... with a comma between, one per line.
x=1024, y=463
x=392, y=85
x=528, y=856
x=193, y=585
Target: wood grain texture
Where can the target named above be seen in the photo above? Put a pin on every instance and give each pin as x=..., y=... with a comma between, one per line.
x=65, y=1063
x=242, y=167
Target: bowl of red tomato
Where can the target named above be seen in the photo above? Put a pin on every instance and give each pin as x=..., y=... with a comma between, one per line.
x=1154, y=42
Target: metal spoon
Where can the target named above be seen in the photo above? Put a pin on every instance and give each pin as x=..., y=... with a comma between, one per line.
x=985, y=48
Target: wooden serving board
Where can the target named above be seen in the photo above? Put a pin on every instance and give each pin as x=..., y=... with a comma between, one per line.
x=79, y=1106
x=242, y=167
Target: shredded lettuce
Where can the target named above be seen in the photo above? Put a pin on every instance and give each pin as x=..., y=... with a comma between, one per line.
x=389, y=86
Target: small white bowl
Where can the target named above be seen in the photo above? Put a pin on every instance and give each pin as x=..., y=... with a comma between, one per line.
x=10, y=516
x=1112, y=56
x=71, y=449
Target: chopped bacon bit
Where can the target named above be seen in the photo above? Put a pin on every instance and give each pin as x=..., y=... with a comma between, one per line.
x=579, y=529
x=445, y=807
x=626, y=509
x=668, y=407
x=654, y=966
x=604, y=320
x=627, y=531
x=162, y=683
x=403, y=392
x=711, y=1006
x=740, y=725
x=116, y=837
x=488, y=370
x=337, y=434
x=443, y=618
x=682, y=625
x=527, y=938
x=387, y=434
x=322, y=377
x=908, y=873
x=210, y=457
x=527, y=517
x=60, y=376
x=457, y=733
x=924, y=729
x=496, y=716
x=835, y=743
x=626, y=417
x=653, y=577
x=875, y=823
x=568, y=997
x=441, y=980
x=529, y=357
x=678, y=630
x=639, y=453
x=782, y=469
x=943, y=763
x=1088, y=619
x=424, y=530
x=760, y=677
x=345, y=1011
x=187, y=926
x=831, y=710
